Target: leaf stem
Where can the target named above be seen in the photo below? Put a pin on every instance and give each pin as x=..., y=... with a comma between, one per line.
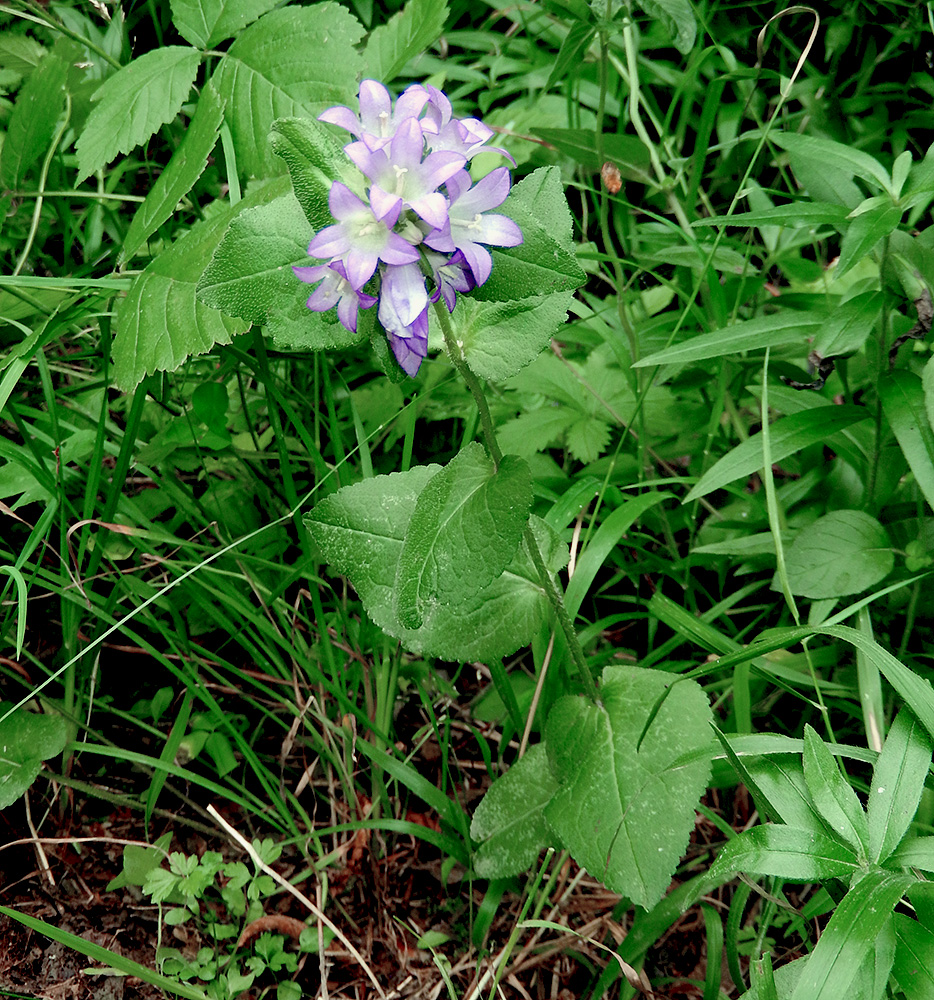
x=555, y=598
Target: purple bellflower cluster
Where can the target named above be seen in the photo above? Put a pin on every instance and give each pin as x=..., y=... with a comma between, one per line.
x=408, y=227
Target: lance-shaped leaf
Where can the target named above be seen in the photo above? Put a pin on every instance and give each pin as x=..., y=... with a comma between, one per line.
x=134, y=102
x=913, y=968
x=464, y=531
x=510, y=820
x=360, y=531
x=406, y=34
x=897, y=783
x=292, y=61
x=833, y=795
x=620, y=811
x=785, y=852
x=850, y=937
x=178, y=178
x=903, y=400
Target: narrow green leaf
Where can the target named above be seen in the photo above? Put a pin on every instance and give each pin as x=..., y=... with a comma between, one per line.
x=572, y=51
x=828, y=152
x=26, y=740
x=204, y=23
x=797, y=215
x=626, y=151
x=915, y=852
x=833, y=795
x=785, y=852
x=678, y=17
x=405, y=35
x=864, y=232
x=626, y=815
x=104, y=955
x=464, y=531
x=260, y=85
x=897, y=784
x=788, y=436
x=510, y=820
x=32, y=123
x=913, y=967
x=774, y=330
x=843, y=552
x=134, y=102
x=847, y=327
x=178, y=178
x=850, y=937
x=903, y=401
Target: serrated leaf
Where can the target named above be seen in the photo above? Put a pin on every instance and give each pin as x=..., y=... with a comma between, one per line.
x=500, y=338
x=26, y=740
x=510, y=820
x=897, y=784
x=586, y=438
x=35, y=114
x=843, y=552
x=464, y=531
x=360, y=531
x=134, y=102
x=178, y=178
x=261, y=83
x=315, y=160
x=849, y=938
x=20, y=53
x=903, y=402
x=161, y=321
x=541, y=196
x=251, y=270
x=785, y=852
x=788, y=436
x=204, y=23
x=405, y=35
x=535, y=431
x=775, y=330
x=832, y=795
x=622, y=814
x=678, y=18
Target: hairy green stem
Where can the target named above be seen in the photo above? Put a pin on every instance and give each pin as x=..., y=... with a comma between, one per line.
x=486, y=422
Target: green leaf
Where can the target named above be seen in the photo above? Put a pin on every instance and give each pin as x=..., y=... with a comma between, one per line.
x=773, y=330
x=315, y=160
x=864, y=232
x=134, y=102
x=32, y=123
x=261, y=84
x=139, y=862
x=785, y=852
x=621, y=812
x=464, y=531
x=913, y=967
x=540, y=195
x=251, y=270
x=360, y=531
x=26, y=740
x=778, y=780
x=838, y=155
x=897, y=784
x=204, y=23
x=788, y=436
x=500, y=338
x=849, y=939
x=572, y=52
x=844, y=552
x=915, y=852
x=903, y=401
x=161, y=322
x=626, y=151
x=678, y=18
x=846, y=328
x=178, y=178
x=798, y=214
x=405, y=35
x=833, y=795
x=510, y=820
x=20, y=53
